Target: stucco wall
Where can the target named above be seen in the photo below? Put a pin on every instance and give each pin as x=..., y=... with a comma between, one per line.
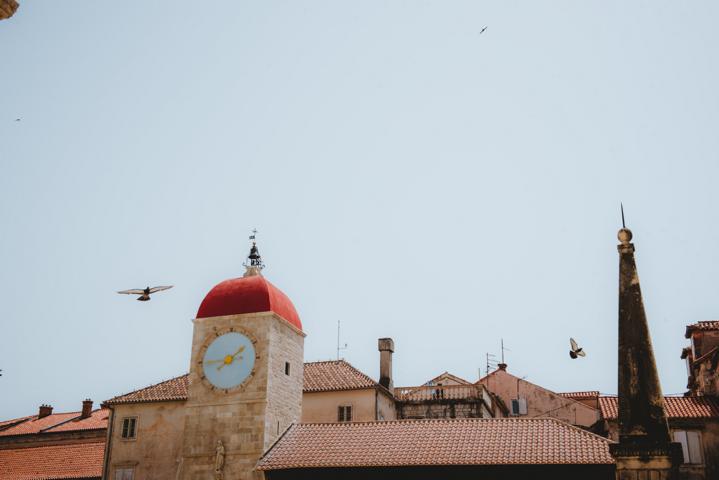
x=385, y=407
x=321, y=407
x=540, y=401
x=155, y=452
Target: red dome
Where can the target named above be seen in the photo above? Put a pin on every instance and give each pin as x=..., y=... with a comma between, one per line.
x=248, y=295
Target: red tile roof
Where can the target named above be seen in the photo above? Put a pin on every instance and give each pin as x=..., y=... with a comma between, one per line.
x=80, y=460
x=172, y=389
x=703, y=325
x=675, y=407
x=478, y=441
x=581, y=395
x=36, y=425
x=9, y=423
x=319, y=377
x=97, y=420
x=334, y=375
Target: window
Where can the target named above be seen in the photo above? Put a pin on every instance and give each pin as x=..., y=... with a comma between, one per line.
x=519, y=406
x=691, y=445
x=124, y=473
x=287, y=368
x=344, y=413
x=129, y=428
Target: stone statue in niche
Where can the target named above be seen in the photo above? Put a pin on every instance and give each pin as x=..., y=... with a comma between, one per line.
x=219, y=460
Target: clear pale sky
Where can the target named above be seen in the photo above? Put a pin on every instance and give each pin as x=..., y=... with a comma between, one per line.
x=408, y=176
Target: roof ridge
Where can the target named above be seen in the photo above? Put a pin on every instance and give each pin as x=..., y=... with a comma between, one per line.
x=149, y=386
x=579, y=429
x=446, y=420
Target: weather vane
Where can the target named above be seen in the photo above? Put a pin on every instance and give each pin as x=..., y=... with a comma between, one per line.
x=253, y=264
x=622, y=207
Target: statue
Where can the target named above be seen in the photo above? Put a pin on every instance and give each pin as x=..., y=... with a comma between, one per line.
x=219, y=460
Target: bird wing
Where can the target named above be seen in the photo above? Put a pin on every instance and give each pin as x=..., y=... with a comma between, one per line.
x=159, y=289
x=573, y=344
x=581, y=353
x=134, y=291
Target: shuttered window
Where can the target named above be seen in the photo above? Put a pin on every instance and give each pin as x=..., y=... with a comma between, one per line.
x=344, y=413
x=124, y=474
x=129, y=425
x=691, y=445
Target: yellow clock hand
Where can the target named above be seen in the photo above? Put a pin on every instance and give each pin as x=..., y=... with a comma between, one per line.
x=239, y=350
x=214, y=361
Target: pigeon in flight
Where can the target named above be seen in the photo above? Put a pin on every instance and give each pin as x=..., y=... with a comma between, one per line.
x=144, y=293
x=575, y=351
x=483, y=29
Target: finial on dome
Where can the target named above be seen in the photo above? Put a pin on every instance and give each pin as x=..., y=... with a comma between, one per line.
x=624, y=235
x=253, y=264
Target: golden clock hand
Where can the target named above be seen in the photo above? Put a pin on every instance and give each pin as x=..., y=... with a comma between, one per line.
x=214, y=361
x=239, y=350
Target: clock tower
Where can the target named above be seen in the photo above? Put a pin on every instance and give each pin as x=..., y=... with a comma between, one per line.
x=246, y=376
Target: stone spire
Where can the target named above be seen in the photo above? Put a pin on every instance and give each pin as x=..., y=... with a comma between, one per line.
x=644, y=442
x=253, y=264
x=641, y=403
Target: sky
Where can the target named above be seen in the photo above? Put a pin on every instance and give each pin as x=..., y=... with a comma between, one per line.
x=408, y=177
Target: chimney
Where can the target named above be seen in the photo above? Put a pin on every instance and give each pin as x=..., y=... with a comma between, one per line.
x=386, y=348
x=86, y=408
x=44, y=411
x=502, y=366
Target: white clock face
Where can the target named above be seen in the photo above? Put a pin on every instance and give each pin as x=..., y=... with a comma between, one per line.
x=228, y=360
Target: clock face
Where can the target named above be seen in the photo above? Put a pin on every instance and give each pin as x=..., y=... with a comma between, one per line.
x=228, y=360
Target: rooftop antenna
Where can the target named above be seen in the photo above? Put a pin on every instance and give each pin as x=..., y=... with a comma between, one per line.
x=491, y=362
x=503, y=349
x=343, y=347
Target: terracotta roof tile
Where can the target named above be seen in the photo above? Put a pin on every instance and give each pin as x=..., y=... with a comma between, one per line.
x=319, y=377
x=581, y=395
x=36, y=425
x=703, y=325
x=495, y=441
x=675, y=407
x=96, y=420
x=334, y=375
x=9, y=423
x=172, y=389
x=80, y=460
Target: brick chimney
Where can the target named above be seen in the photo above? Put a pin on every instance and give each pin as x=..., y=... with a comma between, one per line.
x=44, y=411
x=86, y=408
x=386, y=349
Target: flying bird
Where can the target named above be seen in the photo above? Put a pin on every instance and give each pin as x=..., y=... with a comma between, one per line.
x=483, y=29
x=17, y=119
x=144, y=293
x=575, y=351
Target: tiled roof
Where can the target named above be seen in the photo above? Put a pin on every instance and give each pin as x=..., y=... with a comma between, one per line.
x=675, y=407
x=96, y=420
x=36, y=425
x=581, y=395
x=173, y=389
x=703, y=325
x=319, y=377
x=80, y=460
x=448, y=376
x=479, y=441
x=334, y=375
x=9, y=423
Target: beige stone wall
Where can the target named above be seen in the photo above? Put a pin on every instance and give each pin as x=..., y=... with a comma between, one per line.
x=540, y=401
x=156, y=451
x=321, y=407
x=386, y=409
x=284, y=401
x=245, y=418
